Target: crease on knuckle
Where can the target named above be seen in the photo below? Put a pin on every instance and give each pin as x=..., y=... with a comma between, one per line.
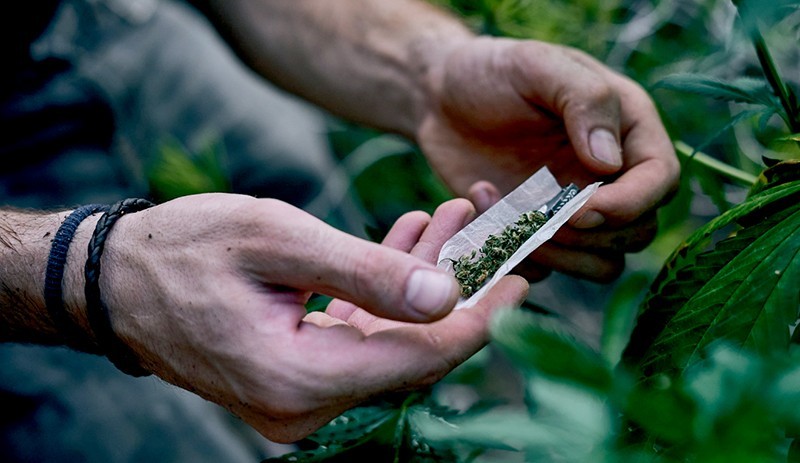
x=364, y=270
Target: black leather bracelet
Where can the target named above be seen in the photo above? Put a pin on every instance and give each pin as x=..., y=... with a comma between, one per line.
x=99, y=317
x=53, y=292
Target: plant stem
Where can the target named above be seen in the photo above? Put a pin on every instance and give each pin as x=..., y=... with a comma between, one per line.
x=721, y=168
x=787, y=99
x=774, y=79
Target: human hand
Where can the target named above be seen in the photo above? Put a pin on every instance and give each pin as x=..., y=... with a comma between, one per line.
x=500, y=109
x=209, y=292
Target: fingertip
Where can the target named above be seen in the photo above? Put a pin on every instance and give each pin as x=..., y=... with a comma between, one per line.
x=483, y=195
x=418, y=218
x=458, y=211
x=406, y=230
x=622, y=201
x=432, y=294
x=605, y=151
x=587, y=219
x=517, y=287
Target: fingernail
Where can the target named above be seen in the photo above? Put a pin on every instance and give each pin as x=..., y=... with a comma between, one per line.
x=429, y=292
x=481, y=199
x=589, y=219
x=604, y=147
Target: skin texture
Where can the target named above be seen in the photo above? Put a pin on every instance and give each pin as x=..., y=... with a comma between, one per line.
x=482, y=109
x=209, y=292
x=533, y=116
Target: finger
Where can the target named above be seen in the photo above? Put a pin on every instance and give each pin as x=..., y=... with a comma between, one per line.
x=532, y=271
x=483, y=195
x=323, y=320
x=447, y=220
x=632, y=237
x=602, y=267
x=586, y=101
x=340, y=309
x=639, y=190
x=591, y=119
x=403, y=235
x=651, y=170
x=406, y=231
x=413, y=229
x=305, y=253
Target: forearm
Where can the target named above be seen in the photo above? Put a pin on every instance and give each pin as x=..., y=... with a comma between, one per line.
x=25, y=241
x=371, y=61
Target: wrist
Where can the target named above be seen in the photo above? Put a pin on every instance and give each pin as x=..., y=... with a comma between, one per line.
x=26, y=242
x=429, y=54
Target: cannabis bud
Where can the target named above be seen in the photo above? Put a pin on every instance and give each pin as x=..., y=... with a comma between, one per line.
x=474, y=269
x=482, y=252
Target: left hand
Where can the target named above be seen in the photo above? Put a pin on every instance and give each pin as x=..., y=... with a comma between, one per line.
x=380, y=354
x=501, y=109
x=209, y=292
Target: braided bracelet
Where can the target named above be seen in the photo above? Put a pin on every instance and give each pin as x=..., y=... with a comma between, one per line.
x=54, y=275
x=99, y=317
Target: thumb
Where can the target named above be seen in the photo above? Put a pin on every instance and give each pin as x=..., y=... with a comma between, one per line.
x=384, y=281
x=591, y=118
x=590, y=106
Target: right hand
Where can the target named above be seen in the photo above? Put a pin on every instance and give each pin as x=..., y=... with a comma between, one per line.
x=500, y=109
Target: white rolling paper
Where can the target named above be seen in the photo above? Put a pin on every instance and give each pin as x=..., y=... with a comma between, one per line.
x=531, y=195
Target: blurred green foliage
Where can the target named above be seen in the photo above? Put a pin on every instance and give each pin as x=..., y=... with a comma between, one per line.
x=389, y=174
x=177, y=172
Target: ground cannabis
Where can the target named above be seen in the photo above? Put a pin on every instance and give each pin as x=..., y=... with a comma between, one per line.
x=474, y=269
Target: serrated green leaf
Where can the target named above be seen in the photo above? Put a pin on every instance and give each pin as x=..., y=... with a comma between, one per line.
x=665, y=412
x=354, y=424
x=346, y=432
x=702, y=169
x=778, y=173
x=536, y=344
x=713, y=187
x=739, y=418
x=319, y=454
x=620, y=316
x=744, y=90
x=744, y=290
x=684, y=254
x=384, y=428
x=512, y=430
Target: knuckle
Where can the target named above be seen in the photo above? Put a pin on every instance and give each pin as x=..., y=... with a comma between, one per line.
x=365, y=268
